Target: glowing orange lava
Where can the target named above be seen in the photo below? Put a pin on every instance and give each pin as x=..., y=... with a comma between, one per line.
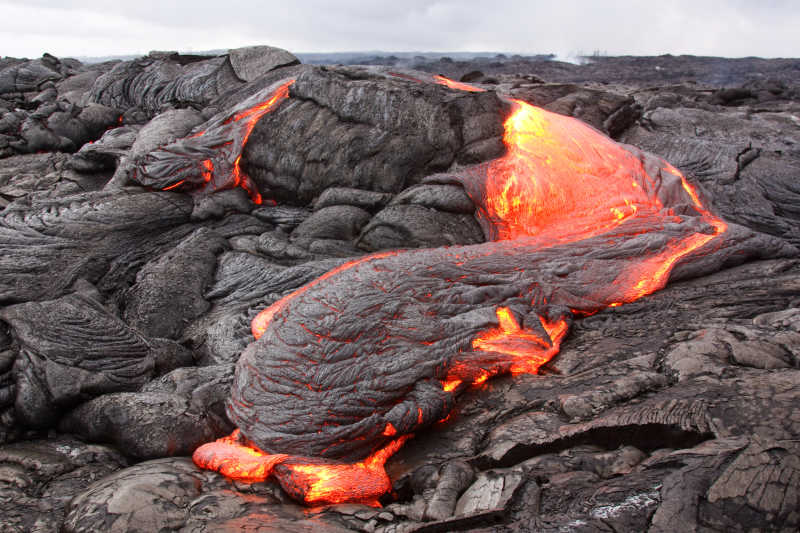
x=561, y=181
x=231, y=458
x=527, y=350
x=312, y=481
x=251, y=115
x=441, y=80
x=320, y=483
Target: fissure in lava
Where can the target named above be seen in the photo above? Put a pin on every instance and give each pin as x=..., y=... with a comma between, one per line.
x=348, y=367
x=210, y=159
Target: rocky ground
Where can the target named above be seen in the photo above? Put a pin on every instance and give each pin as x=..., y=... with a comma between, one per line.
x=124, y=308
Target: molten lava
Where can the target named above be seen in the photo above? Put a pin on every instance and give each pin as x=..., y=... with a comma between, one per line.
x=313, y=481
x=560, y=182
x=317, y=482
x=457, y=85
x=227, y=139
x=527, y=350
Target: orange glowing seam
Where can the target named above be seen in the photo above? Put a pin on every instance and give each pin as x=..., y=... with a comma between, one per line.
x=253, y=114
x=208, y=165
x=174, y=185
x=527, y=350
x=459, y=86
x=450, y=386
x=259, y=324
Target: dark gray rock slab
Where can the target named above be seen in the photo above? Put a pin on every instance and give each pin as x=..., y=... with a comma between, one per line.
x=157, y=81
x=106, y=152
x=420, y=227
x=170, y=416
x=174, y=494
x=369, y=129
x=40, y=477
x=342, y=222
x=169, y=291
x=251, y=62
x=368, y=200
x=28, y=76
x=71, y=349
x=747, y=163
x=103, y=237
x=443, y=197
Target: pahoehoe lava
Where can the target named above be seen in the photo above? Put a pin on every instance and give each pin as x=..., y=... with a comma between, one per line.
x=420, y=248
x=349, y=366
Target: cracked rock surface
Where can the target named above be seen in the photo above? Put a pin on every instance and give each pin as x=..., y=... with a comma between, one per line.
x=124, y=309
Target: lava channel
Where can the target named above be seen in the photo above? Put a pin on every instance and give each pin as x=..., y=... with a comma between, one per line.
x=348, y=367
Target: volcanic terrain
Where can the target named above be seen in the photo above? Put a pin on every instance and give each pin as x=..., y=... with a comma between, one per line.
x=241, y=293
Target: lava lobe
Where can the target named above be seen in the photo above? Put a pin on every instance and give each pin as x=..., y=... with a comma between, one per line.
x=348, y=367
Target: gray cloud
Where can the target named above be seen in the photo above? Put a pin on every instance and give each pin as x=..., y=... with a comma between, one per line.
x=711, y=27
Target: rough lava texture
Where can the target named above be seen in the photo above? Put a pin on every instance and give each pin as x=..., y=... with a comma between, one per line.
x=125, y=309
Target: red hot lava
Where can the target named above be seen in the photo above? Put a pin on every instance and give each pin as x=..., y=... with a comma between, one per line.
x=224, y=139
x=560, y=182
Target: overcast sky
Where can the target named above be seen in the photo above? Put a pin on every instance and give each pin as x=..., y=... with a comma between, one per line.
x=732, y=28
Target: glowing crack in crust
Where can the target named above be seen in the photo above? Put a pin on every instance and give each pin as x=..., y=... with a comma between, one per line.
x=210, y=159
x=346, y=368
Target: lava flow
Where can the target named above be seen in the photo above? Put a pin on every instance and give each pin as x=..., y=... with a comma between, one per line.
x=346, y=368
x=222, y=142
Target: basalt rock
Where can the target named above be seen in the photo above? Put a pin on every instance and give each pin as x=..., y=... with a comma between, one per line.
x=747, y=166
x=170, y=416
x=102, y=236
x=169, y=291
x=26, y=76
x=676, y=411
x=56, y=369
x=170, y=79
x=40, y=477
x=371, y=129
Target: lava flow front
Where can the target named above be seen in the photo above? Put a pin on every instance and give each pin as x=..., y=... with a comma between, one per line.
x=346, y=368
x=220, y=145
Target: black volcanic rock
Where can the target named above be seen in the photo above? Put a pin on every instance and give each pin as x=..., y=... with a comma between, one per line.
x=252, y=62
x=26, y=76
x=40, y=477
x=101, y=236
x=673, y=412
x=415, y=226
x=370, y=130
x=342, y=222
x=748, y=166
x=443, y=197
x=170, y=416
x=55, y=369
x=169, y=291
x=163, y=80
x=368, y=200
